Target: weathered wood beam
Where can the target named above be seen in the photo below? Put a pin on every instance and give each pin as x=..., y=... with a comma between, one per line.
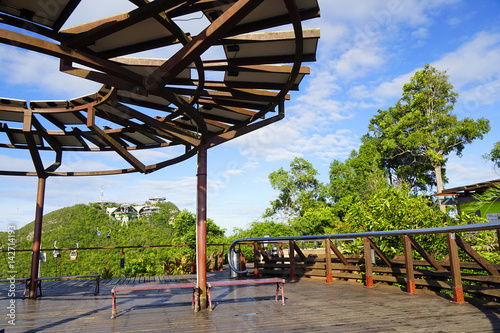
x=426, y=255
x=476, y=256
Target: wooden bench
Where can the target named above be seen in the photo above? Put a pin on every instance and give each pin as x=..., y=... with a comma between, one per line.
x=23, y=280
x=70, y=277
x=151, y=287
x=280, y=286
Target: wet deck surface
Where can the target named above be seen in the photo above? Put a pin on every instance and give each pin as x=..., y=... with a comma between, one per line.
x=311, y=306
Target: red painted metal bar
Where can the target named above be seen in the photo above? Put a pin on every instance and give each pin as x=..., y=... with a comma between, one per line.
x=201, y=227
x=410, y=276
x=280, y=286
x=456, y=276
x=149, y=287
x=368, y=263
x=37, y=236
x=328, y=258
x=291, y=249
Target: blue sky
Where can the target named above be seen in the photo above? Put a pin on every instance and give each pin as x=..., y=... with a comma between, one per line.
x=367, y=51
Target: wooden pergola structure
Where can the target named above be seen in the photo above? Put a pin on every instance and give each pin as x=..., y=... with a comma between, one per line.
x=183, y=101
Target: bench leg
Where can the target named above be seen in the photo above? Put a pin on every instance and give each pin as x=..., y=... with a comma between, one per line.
x=197, y=299
x=26, y=286
x=96, y=289
x=209, y=299
x=113, y=305
x=280, y=287
x=39, y=285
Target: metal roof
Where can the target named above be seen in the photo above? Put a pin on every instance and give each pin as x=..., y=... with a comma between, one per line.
x=156, y=103
x=467, y=190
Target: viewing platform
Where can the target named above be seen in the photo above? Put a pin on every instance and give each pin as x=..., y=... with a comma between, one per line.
x=311, y=306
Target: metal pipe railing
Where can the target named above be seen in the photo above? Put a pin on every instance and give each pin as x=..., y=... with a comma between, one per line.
x=438, y=230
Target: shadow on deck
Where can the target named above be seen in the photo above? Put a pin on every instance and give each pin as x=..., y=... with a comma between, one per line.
x=311, y=306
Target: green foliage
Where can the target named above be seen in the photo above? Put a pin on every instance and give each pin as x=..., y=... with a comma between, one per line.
x=415, y=136
x=494, y=155
x=359, y=175
x=395, y=208
x=299, y=189
x=78, y=224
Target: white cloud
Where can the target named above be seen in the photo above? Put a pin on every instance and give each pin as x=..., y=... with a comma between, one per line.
x=469, y=171
x=420, y=33
x=39, y=73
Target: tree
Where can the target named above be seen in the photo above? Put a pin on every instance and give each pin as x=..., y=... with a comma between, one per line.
x=416, y=135
x=360, y=175
x=298, y=188
x=494, y=155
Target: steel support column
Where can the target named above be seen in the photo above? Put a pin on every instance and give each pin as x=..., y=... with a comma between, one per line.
x=201, y=227
x=37, y=236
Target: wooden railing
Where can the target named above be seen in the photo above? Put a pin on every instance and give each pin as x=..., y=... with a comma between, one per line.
x=473, y=275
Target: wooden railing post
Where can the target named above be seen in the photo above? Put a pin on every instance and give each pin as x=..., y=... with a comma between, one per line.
x=368, y=263
x=328, y=258
x=291, y=250
x=458, y=291
x=256, y=259
x=410, y=276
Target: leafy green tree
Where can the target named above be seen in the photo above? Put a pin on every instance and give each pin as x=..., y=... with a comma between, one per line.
x=298, y=188
x=494, y=155
x=394, y=208
x=360, y=175
x=420, y=131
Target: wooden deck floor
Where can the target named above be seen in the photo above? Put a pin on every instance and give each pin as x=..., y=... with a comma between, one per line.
x=311, y=306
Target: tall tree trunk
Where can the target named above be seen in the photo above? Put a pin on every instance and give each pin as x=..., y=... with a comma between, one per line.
x=439, y=184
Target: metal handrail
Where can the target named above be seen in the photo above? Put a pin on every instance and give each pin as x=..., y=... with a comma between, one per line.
x=438, y=230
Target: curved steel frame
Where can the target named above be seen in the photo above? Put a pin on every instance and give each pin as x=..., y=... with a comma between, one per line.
x=157, y=85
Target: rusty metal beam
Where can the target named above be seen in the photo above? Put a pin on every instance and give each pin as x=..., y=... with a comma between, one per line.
x=172, y=130
x=120, y=150
x=69, y=54
x=199, y=44
x=37, y=236
x=201, y=227
x=32, y=146
x=232, y=134
x=86, y=34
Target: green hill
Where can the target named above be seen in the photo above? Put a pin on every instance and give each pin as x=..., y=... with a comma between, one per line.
x=80, y=224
